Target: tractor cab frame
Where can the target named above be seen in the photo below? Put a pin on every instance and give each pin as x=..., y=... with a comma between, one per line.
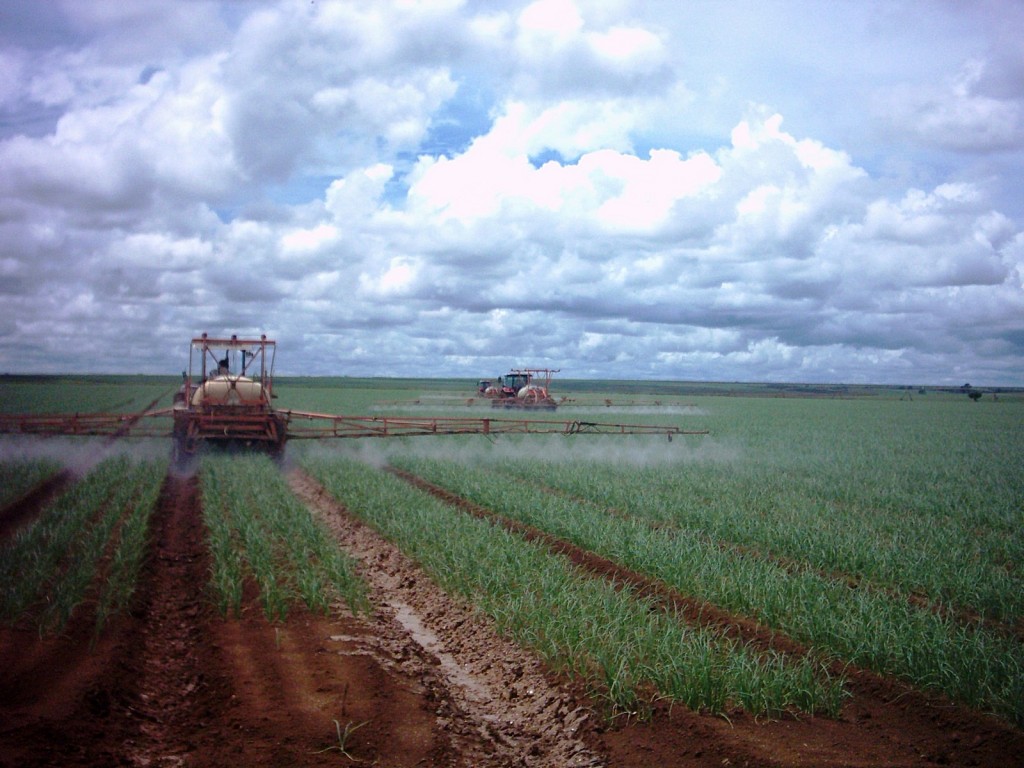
x=225, y=398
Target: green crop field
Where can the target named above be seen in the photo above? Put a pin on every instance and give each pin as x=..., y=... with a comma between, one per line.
x=878, y=527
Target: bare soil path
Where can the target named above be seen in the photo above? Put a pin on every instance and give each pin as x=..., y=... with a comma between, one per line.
x=503, y=709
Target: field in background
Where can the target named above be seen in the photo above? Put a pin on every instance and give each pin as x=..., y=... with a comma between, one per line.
x=130, y=393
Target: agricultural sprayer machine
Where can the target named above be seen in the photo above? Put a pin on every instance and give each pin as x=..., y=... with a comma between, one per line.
x=520, y=388
x=226, y=399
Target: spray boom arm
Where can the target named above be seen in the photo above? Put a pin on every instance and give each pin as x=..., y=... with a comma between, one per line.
x=322, y=425
x=303, y=425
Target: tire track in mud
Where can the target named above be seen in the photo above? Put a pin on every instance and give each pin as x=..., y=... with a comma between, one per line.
x=494, y=699
x=895, y=723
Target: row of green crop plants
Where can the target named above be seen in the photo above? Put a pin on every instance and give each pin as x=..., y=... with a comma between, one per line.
x=803, y=516
x=71, y=394
x=261, y=534
x=19, y=477
x=925, y=497
x=626, y=649
x=88, y=547
x=797, y=516
x=49, y=569
x=865, y=626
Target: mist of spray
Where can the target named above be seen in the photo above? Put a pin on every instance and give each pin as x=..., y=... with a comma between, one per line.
x=78, y=454
x=632, y=450
x=574, y=410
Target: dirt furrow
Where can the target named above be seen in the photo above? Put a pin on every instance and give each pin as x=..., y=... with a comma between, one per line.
x=503, y=710
x=166, y=667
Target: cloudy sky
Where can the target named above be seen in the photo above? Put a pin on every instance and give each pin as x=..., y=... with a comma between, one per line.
x=794, y=191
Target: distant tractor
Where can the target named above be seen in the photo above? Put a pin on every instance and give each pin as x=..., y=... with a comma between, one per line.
x=520, y=388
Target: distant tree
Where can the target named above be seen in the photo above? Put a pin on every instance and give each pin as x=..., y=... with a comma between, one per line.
x=974, y=395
